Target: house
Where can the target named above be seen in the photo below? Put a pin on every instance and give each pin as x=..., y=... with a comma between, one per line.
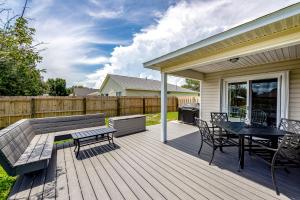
x=83, y=91
x=117, y=85
x=258, y=61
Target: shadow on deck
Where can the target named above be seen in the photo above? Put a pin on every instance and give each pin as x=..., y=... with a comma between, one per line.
x=141, y=167
x=255, y=169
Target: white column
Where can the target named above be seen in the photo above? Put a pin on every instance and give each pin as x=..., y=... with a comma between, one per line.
x=200, y=99
x=164, y=107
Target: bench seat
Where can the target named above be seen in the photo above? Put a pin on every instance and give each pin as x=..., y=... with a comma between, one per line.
x=26, y=146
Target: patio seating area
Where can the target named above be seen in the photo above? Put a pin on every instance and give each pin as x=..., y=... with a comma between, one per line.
x=141, y=167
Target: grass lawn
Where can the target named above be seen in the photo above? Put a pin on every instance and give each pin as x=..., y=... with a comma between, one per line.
x=152, y=119
x=6, y=183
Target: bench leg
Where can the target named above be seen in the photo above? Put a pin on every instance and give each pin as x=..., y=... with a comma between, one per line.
x=108, y=138
x=78, y=145
x=112, y=140
x=75, y=144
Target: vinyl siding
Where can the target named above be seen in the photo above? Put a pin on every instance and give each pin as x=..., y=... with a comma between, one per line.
x=156, y=93
x=211, y=86
x=111, y=87
x=142, y=93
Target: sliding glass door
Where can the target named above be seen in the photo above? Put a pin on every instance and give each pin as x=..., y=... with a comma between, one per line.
x=243, y=96
x=263, y=97
x=237, y=100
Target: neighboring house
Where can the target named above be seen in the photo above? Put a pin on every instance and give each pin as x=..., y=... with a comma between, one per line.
x=116, y=85
x=258, y=61
x=83, y=91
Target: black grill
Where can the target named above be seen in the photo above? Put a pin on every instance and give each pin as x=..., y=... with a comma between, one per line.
x=188, y=112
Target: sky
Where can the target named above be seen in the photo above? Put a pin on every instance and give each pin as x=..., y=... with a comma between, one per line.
x=83, y=40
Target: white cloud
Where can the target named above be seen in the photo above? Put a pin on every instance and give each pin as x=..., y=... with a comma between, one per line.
x=180, y=25
x=106, y=14
x=93, y=61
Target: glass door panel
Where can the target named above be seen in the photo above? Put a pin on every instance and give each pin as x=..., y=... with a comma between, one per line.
x=237, y=101
x=263, y=97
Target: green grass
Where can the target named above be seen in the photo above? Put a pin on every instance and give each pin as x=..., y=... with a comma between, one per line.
x=152, y=119
x=6, y=183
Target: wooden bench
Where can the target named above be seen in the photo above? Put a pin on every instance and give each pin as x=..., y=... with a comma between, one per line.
x=26, y=146
x=128, y=124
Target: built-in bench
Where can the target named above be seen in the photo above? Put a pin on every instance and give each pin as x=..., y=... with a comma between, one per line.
x=127, y=124
x=26, y=146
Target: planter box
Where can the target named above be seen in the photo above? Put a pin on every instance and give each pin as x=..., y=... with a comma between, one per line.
x=128, y=124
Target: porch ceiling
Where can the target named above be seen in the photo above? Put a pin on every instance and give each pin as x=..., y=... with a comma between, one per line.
x=271, y=38
x=277, y=55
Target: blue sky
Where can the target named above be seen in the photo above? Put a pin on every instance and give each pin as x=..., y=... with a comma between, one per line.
x=86, y=39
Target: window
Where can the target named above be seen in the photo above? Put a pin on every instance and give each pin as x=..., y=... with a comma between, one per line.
x=118, y=94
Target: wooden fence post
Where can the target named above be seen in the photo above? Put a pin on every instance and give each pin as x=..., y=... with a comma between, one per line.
x=118, y=106
x=144, y=105
x=32, y=107
x=84, y=101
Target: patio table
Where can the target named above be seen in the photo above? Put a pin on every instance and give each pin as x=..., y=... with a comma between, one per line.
x=241, y=130
x=88, y=137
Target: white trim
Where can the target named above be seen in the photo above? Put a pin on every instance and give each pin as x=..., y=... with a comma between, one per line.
x=164, y=107
x=282, y=94
x=246, y=27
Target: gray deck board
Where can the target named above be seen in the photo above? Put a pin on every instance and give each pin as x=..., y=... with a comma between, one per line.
x=73, y=183
x=62, y=190
x=134, y=186
x=84, y=177
x=141, y=167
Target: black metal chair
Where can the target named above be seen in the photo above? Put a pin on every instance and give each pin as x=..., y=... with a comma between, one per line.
x=258, y=118
x=217, y=117
x=213, y=140
x=287, y=155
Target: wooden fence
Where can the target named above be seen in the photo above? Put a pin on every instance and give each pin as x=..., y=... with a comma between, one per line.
x=187, y=99
x=13, y=109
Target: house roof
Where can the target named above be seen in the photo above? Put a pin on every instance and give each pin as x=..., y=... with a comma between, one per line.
x=265, y=27
x=83, y=91
x=134, y=83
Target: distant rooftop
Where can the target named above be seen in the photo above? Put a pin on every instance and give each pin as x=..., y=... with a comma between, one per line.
x=134, y=83
x=83, y=91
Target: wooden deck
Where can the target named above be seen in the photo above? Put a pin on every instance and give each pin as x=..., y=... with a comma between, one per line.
x=141, y=167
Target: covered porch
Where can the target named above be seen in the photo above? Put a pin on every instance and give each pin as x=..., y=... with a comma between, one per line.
x=141, y=167
x=253, y=66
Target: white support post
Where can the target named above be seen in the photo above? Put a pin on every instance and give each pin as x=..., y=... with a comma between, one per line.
x=200, y=99
x=164, y=107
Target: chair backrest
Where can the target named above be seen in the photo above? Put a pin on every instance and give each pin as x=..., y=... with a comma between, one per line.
x=289, y=148
x=13, y=142
x=218, y=117
x=204, y=129
x=56, y=124
x=259, y=118
x=290, y=125
x=243, y=114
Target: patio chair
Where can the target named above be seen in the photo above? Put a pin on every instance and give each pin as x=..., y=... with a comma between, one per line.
x=211, y=139
x=258, y=119
x=217, y=117
x=287, y=155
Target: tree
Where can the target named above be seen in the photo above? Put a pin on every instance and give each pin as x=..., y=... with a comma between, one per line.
x=19, y=75
x=192, y=84
x=57, y=87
